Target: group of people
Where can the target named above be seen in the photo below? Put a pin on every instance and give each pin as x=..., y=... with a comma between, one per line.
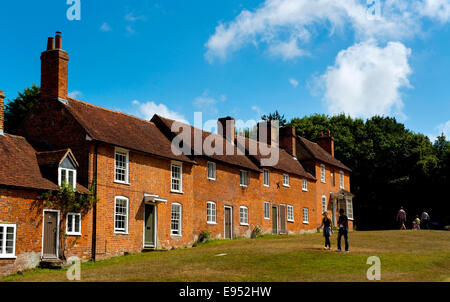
x=418, y=223
x=343, y=230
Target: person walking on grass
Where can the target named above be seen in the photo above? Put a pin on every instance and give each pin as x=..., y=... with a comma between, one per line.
x=343, y=230
x=401, y=218
x=425, y=221
x=326, y=224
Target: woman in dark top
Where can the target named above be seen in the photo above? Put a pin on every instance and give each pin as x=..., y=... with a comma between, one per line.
x=326, y=224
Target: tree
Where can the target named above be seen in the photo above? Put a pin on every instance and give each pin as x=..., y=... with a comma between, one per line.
x=276, y=117
x=17, y=109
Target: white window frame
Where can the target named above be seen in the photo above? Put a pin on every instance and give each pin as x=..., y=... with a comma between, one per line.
x=241, y=208
x=323, y=174
x=244, y=175
x=349, y=205
x=3, y=254
x=304, y=185
x=213, y=214
x=266, y=171
x=341, y=180
x=324, y=203
x=266, y=204
x=306, y=211
x=180, y=165
x=286, y=180
x=67, y=176
x=127, y=165
x=73, y=233
x=290, y=213
x=179, y=232
x=214, y=170
x=125, y=230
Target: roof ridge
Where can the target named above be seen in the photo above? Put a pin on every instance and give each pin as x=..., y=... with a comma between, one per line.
x=110, y=110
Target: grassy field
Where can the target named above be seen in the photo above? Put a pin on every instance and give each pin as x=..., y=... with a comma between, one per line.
x=405, y=256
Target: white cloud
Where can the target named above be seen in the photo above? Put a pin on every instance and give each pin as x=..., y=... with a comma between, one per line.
x=130, y=29
x=444, y=128
x=285, y=26
x=439, y=9
x=258, y=111
x=366, y=80
x=208, y=104
x=75, y=94
x=148, y=109
x=131, y=17
x=293, y=82
x=105, y=27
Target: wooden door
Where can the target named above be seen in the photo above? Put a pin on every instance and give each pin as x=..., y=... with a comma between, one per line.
x=50, y=235
x=228, y=223
x=283, y=219
x=149, y=228
x=274, y=220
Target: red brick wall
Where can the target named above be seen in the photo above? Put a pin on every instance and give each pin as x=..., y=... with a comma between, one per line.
x=21, y=207
x=147, y=174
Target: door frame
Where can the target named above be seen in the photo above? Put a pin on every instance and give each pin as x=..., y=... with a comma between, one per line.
x=278, y=220
x=155, y=213
x=57, y=231
x=285, y=218
x=224, y=222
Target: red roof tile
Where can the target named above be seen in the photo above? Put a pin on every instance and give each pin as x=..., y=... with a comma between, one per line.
x=312, y=150
x=122, y=130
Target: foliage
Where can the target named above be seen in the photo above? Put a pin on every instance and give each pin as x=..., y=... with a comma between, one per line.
x=276, y=117
x=391, y=166
x=17, y=109
x=69, y=201
x=257, y=232
x=204, y=236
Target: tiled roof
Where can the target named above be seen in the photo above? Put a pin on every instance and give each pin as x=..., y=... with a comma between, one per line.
x=232, y=159
x=286, y=162
x=122, y=130
x=19, y=165
x=312, y=150
x=51, y=158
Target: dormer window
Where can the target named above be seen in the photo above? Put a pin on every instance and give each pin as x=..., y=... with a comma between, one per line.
x=67, y=172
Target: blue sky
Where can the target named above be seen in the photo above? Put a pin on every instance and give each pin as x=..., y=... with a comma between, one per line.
x=242, y=58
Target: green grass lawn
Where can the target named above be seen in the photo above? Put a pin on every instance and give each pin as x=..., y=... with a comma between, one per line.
x=405, y=256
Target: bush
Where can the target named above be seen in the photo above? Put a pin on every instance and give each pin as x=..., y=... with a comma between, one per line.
x=204, y=236
x=257, y=232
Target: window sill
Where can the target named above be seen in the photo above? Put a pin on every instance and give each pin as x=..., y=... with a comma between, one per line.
x=176, y=192
x=2, y=257
x=212, y=223
x=303, y=190
x=267, y=186
x=244, y=186
x=73, y=234
x=305, y=222
x=122, y=183
x=351, y=219
x=324, y=182
x=120, y=233
x=286, y=186
x=213, y=179
x=244, y=224
x=267, y=218
x=176, y=235
x=292, y=221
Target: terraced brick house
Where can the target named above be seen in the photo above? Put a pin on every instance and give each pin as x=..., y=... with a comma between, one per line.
x=151, y=195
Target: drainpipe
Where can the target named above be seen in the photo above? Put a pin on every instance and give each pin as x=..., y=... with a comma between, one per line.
x=94, y=212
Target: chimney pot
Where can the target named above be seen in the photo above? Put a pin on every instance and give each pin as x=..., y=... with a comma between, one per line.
x=58, y=40
x=227, y=128
x=51, y=43
x=328, y=133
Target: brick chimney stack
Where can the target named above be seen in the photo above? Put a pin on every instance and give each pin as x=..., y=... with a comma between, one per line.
x=54, y=69
x=268, y=132
x=287, y=140
x=326, y=142
x=2, y=112
x=226, y=127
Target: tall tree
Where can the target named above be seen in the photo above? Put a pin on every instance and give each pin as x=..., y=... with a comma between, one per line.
x=17, y=109
x=276, y=117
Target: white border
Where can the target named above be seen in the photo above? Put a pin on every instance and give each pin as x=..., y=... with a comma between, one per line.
x=248, y=218
x=180, y=164
x=67, y=223
x=181, y=219
x=268, y=172
x=128, y=215
x=127, y=174
x=154, y=226
x=13, y=255
x=215, y=212
x=215, y=170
